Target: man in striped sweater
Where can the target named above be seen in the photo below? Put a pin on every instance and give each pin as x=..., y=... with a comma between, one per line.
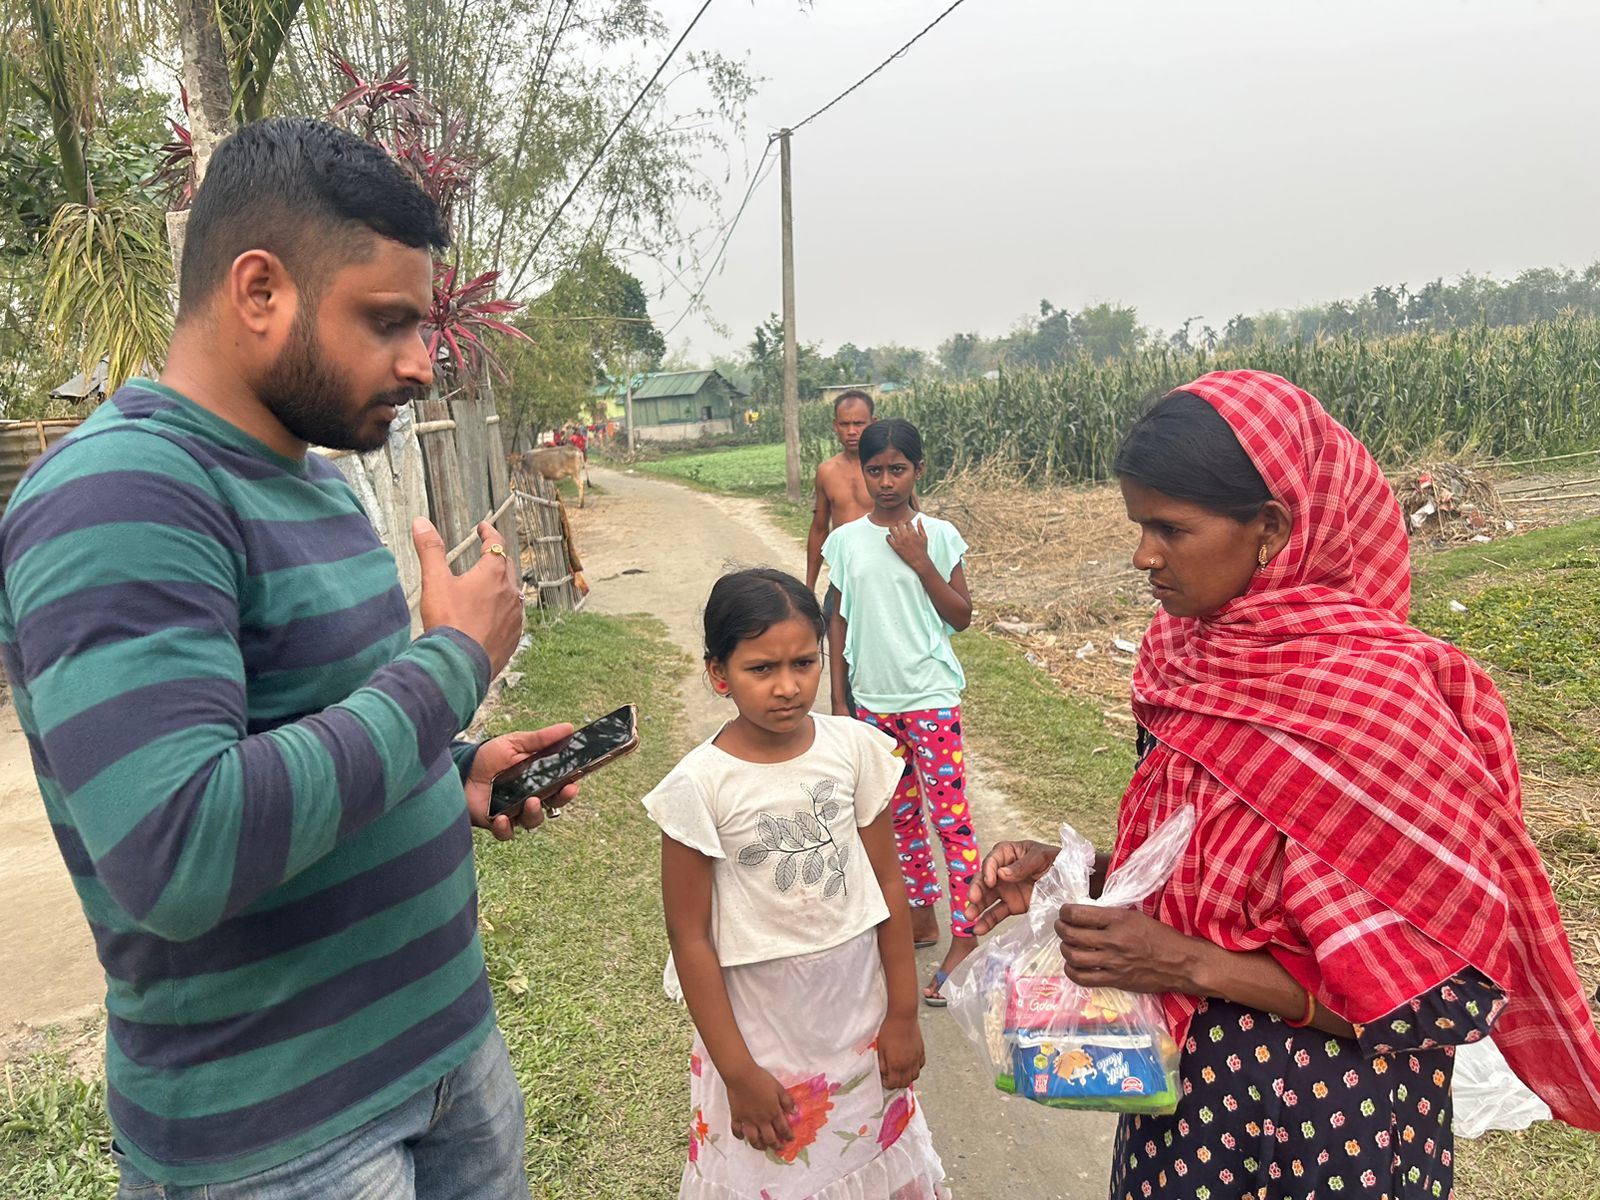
x=249, y=765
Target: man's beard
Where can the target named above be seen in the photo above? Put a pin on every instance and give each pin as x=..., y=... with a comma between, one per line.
x=312, y=400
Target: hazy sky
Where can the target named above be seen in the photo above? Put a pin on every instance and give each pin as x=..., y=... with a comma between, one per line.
x=1185, y=158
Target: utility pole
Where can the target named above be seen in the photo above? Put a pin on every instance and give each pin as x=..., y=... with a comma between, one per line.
x=791, y=382
x=627, y=413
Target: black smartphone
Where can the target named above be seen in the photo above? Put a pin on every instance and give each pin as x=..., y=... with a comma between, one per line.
x=582, y=752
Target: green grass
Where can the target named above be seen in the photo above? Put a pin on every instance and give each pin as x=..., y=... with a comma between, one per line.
x=1533, y=617
x=1057, y=759
x=1547, y=1161
x=794, y=518
x=572, y=930
x=55, y=1139
x=1436, y=572
x=756, y=470
x=569, y=490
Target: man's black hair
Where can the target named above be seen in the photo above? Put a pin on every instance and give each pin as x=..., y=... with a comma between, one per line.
x=854, y=394
x=1183, y=448
x=306, y=191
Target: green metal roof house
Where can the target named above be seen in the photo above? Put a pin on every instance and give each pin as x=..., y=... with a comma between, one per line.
x=676, y=405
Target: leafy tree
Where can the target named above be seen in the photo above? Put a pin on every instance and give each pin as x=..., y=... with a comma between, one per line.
x=852, y=364
x=897, y=364
x=764, y=365
x=593, y=325
x=1239, y=332
x=1044, y=342
x=1107, y=331
x=537, y=87
x=966, y=355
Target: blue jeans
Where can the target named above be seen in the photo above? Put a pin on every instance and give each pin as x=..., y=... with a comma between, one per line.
x=458, y=1140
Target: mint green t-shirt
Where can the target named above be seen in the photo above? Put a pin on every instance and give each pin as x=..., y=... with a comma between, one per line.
x=896, y=644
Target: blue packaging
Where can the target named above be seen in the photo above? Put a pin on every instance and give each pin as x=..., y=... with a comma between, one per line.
x=1127, y=1067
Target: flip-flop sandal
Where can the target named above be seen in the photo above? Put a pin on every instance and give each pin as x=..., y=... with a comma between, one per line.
x=926, y=944
x=940, y=978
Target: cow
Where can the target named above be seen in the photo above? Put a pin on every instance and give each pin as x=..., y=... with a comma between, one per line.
x=553, y=463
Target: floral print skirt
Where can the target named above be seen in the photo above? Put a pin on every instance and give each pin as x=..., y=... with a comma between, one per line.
x=1270, y=1112
x=812, y=1021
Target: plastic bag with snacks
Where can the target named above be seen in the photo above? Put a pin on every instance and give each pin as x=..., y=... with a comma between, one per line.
x=1044, y=1037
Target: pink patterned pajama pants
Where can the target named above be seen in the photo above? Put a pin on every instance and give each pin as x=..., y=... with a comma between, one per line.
x=932, y=790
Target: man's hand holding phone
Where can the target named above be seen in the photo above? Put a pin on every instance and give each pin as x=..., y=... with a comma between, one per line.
x=544, y=779
x=500, y=754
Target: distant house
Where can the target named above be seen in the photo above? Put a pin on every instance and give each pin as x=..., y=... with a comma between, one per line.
x=674, y=406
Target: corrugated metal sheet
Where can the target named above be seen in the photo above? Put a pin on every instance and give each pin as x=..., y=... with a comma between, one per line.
x=674, y=383
x=23, y=441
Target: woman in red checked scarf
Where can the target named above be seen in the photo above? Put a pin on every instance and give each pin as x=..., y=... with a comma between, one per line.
x=1360, y=895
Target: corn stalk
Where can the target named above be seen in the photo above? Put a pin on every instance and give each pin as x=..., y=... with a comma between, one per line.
x=1523, y=390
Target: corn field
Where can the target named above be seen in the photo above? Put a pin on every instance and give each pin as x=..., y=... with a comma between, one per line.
x=1496, y=392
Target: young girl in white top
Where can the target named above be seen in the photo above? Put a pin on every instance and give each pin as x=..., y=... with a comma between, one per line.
x=902, y=593
x=789, y=927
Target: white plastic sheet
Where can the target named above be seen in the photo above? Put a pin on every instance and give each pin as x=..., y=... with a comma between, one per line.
x=1488, y=1095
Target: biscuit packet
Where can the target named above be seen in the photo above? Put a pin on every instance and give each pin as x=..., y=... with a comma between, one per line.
x=1044, y=1037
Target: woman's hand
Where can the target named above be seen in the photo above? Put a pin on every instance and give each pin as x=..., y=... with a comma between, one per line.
x=900, y=1052
x=498, y=754
x=1004, y=885
x=759, y=1106
x=910, y=541
x=1122, y=948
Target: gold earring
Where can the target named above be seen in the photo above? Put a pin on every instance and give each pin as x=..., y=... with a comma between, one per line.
x=1261, y=555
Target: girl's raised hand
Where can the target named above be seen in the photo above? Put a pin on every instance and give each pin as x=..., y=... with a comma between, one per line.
x=900, y=1052
x=759, y=1106
x=910, y=541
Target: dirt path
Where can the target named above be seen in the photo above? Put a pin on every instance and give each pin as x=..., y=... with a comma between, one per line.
x=654, y=547
x=46, y=954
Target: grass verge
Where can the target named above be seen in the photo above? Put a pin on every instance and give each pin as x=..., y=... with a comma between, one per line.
x=1532, y=615
x=571, y=924
x=1053, y=754
x=55, y=1138
x=1533, y=618
x=755, y=470
x=573, y=934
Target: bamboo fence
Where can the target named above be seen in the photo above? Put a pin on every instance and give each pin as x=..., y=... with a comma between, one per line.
x=444, y=460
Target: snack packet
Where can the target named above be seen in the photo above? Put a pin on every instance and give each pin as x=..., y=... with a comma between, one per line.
x=1042, y=1036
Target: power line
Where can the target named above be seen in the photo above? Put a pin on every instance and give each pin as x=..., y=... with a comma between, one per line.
x=616, y=129
x=755, y=180
x=877, y=68
x=756, y=176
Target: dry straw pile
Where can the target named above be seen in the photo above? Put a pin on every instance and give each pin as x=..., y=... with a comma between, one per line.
x=1050, y=567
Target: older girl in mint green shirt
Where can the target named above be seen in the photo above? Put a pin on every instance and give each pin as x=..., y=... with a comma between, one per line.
x=902, y=594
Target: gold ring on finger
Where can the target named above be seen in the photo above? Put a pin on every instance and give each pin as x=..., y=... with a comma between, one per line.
x=497, y=548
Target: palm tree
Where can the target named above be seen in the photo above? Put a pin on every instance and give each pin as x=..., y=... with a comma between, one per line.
x=108, y=278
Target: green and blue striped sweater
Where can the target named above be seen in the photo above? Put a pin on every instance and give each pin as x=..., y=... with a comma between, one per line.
x=248, y=766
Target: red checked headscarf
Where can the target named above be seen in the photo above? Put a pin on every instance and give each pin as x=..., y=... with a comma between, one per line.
x=1383, y=752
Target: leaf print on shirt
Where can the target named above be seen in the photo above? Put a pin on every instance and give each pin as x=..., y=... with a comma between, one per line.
x=804, y=846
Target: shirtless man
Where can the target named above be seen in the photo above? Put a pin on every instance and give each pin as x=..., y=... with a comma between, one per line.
x=840, y=487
